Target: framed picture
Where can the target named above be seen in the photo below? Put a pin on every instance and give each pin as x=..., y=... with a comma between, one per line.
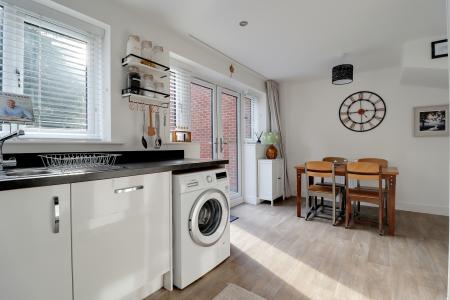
x=431, y=120
x=439, y=49
x=16, y=109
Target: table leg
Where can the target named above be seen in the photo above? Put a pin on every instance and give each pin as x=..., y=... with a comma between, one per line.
x=391, y=204
x=299, y=194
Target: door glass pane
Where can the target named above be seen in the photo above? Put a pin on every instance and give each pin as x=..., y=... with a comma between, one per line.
x=229, y=121
x=201, y=123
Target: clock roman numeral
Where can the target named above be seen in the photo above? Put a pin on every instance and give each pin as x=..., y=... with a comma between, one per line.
x=361, y=127
x=346, y=120
x=361, y=96
x=378, y=118
x=352, y=125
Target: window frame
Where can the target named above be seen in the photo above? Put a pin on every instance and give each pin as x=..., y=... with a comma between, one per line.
x=98, y=105
x=254, y=115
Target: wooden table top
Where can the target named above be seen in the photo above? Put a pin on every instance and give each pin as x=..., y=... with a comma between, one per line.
x=340, y=169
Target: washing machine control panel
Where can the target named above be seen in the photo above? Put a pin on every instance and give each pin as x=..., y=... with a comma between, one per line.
x=192, y=182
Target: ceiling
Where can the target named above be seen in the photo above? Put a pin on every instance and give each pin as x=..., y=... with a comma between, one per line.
x=287, y=39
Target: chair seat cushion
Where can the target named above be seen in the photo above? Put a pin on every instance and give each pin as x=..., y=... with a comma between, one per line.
x=363, y=194
x=369, y=188
x=326, y=189
x=341, y=185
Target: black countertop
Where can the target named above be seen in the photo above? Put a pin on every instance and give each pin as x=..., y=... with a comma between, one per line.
x=124, y=170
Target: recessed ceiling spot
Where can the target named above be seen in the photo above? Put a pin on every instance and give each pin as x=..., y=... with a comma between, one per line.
x=243, y=23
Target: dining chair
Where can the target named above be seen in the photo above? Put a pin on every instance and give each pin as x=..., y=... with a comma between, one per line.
x=336, y=160
x=364, y=171
x=383, y=163
x=322, y=170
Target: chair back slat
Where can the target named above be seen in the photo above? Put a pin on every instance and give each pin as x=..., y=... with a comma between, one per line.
x=380, y=161
x=335, y=159
x=363, y=171
x=322, y=169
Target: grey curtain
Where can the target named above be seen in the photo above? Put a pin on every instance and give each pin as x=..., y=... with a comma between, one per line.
x=273, y=102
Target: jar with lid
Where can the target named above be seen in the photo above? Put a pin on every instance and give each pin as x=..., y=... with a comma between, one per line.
x=159, y=87
x=149, y=85
x=158, y=54
x=133, y=47
x=133, y=80
x=146, y=51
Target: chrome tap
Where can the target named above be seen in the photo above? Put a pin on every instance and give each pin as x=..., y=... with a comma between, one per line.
x=11, y=162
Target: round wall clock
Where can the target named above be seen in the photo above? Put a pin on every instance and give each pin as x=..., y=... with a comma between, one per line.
x=362, y=111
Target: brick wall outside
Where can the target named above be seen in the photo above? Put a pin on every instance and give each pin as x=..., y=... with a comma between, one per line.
x=201, y=114
x=230, y=135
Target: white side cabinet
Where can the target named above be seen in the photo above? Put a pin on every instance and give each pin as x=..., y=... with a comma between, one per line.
x=270, y=179
x=35, y=249
x=121, y=236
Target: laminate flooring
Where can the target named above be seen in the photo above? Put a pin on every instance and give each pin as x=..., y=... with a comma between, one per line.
x=279, y=256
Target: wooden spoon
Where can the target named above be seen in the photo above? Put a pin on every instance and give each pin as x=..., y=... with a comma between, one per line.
x=150, y=130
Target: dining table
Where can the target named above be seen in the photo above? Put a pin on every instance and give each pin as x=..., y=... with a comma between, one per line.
x=389, y=174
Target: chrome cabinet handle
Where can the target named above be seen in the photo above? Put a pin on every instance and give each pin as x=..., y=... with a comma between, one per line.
x=129, y=189
x=55, y=215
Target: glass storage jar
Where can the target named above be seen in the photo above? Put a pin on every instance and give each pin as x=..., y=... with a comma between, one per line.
x=149, y=85
x=133, y=80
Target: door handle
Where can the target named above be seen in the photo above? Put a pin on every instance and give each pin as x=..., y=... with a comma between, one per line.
x=55, y=215
x=129, y=189
x=221, y=145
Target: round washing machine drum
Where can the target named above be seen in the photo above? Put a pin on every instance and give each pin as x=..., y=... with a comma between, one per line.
x=209, y=217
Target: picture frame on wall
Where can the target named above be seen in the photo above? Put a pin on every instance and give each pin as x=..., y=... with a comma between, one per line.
x=439, y=49
x=431, y=120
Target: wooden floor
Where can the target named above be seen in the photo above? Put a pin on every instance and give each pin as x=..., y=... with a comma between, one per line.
x=278, y=256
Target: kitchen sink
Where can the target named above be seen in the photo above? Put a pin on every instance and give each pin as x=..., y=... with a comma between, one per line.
x=37, y=172
x=26, y=172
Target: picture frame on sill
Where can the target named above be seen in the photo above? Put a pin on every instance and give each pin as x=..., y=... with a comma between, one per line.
x=17, y=109
x=431, y=120
x=439, y=49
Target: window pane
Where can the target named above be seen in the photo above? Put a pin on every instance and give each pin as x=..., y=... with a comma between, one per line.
x=201, y=123
x=229, y=118
x=55, y=77
x=248, y=118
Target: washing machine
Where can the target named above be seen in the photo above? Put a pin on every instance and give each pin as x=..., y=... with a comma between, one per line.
x=201, y=229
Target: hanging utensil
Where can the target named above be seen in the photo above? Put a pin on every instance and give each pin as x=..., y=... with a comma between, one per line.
x=158, y=140
x=150, y=130
x=143, y=140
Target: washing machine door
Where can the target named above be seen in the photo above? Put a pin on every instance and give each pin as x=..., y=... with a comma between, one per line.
x=209, y=217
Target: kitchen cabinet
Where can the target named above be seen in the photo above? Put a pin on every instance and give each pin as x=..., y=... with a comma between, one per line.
x=35, y=249
x=121, y=236
x=270, y=179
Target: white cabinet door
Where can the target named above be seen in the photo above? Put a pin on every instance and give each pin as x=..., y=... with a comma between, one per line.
x=35, y=255
x=121, y=235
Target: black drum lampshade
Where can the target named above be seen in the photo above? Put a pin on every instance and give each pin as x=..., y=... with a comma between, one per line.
x=342, y=74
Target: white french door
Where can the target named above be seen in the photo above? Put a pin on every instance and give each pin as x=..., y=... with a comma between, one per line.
x=216, y=113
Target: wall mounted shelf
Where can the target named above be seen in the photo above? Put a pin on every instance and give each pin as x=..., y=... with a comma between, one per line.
x=146, y=100
x=148, y=65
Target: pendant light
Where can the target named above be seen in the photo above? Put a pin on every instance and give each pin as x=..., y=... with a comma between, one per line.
x=342, y=74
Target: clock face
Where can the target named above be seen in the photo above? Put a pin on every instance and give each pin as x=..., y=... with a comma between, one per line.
x=362, y=111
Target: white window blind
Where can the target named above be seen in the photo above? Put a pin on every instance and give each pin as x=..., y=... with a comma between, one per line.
x=250, y=117
x=180, y=99
x=59, y=67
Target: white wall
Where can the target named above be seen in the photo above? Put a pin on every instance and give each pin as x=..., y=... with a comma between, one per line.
x=126, y=124
x=313, y=130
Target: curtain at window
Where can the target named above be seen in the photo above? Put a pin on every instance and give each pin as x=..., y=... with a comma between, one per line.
x=273, y=101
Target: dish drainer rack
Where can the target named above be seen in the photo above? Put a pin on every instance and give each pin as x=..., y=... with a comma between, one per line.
x=76, y=161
